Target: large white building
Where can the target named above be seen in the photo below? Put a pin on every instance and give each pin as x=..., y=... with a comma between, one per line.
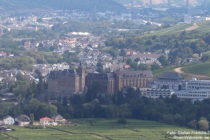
x=195, y=84
x=156, y=93
x=169, y=80
x=195, y=95
x=195, y=90
x=170, y=83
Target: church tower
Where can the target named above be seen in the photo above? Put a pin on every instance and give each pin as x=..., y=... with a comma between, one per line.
x=82, y=74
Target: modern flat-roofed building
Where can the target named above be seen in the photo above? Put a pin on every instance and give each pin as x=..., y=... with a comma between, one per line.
x=195, y=95
x=195, y=89
x=157, y=93
x=169, y=80
x=195, y=84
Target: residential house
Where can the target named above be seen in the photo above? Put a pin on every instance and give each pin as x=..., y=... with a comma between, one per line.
x=8, y=120
x=59, y=119
x=46, y=121
x=23, y=120
x=1, y=123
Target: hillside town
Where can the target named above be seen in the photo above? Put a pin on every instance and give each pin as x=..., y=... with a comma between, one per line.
x=63, y=81
x=104, y=69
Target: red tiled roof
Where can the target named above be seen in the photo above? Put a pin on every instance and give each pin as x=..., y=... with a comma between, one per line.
x=46, y=119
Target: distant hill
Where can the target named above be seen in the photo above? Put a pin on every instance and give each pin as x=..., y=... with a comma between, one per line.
x=87, y=5
x=156, y=2
x=172, y=1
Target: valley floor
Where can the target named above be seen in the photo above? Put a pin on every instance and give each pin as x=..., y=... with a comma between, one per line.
x=97, y=129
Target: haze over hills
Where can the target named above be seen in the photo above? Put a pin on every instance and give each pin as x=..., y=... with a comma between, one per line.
x=173, y=1
x=156, y=2
x=86, y=5
x=89, y=5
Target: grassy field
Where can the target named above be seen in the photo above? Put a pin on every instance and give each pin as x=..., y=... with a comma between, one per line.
x=99, y=129
x=204, y=27
x=200, y=69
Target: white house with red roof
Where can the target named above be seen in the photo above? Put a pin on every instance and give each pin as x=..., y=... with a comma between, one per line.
x=3, y=54
x=46, y=121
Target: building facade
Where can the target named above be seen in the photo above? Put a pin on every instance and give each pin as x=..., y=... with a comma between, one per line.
x=157, y=93
x=23, y=120
x=170, y=83
x=195, y=84
x=103, y=81
x=195, y=90
x=46, y=121
x=114, y=82
x=8, y=120
x=138, y=79
x=69, y=82
x=169, y=80
x=66, y=83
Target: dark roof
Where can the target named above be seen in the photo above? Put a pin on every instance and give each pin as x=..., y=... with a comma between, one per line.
x=105, y=76
x=57, y=117
x=23, y=118
x=7, y=117
x=170, y=76
x=67, y=72
x=143, y=74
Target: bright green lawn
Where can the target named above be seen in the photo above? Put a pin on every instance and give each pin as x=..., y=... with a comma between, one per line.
x=100, y=130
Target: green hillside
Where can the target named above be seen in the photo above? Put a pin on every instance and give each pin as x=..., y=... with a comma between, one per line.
x=97, y=129
x=201, y=27
x=199, y=69
x=171, y=30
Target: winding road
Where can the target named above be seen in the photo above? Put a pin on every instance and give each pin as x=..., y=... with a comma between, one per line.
x=191, y=75
x=193, y=27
